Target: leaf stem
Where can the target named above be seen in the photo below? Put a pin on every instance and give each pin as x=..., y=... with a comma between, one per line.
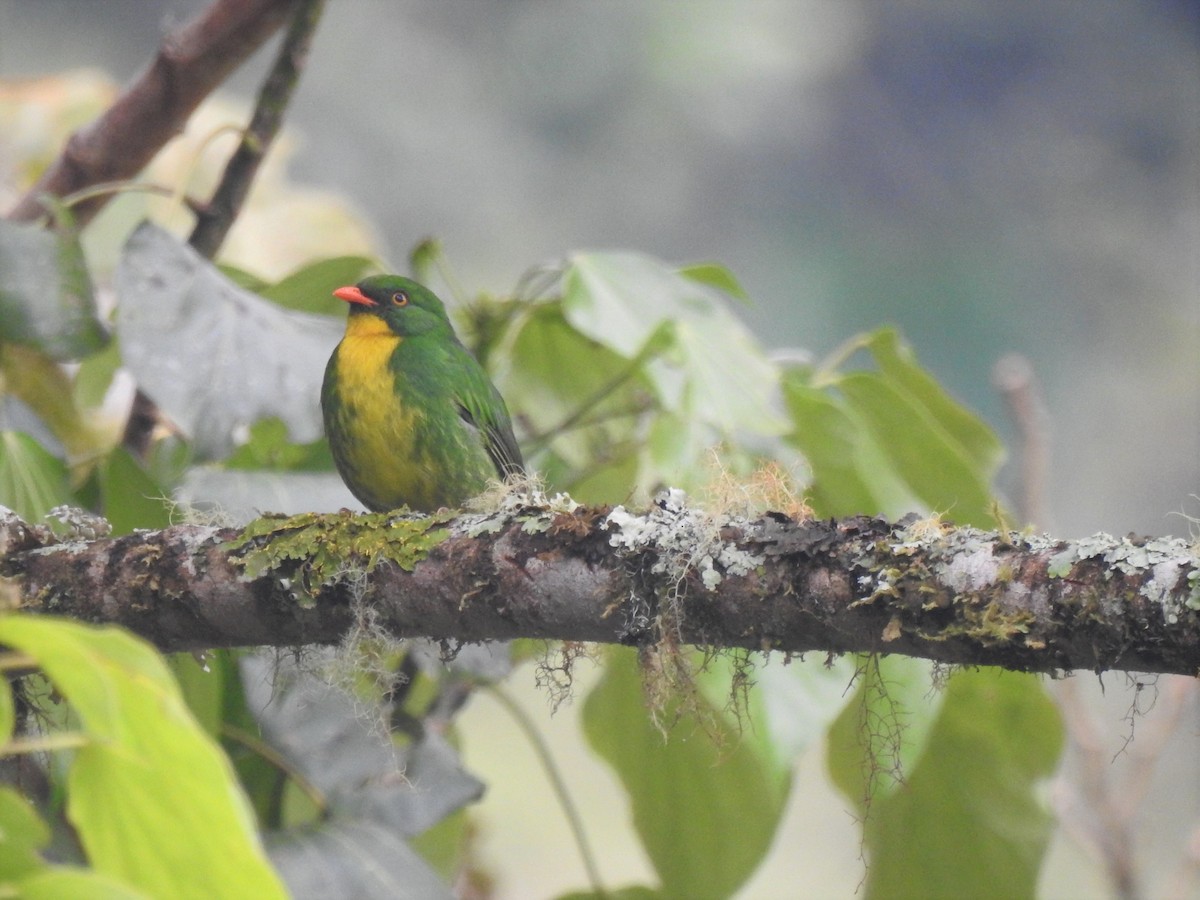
x=559, y=786
x=66, y=741
x=278, y=760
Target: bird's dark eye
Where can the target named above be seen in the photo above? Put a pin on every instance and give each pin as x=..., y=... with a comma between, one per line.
x=399, y=299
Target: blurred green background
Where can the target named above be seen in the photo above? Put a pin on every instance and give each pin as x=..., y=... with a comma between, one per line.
x=991, y=176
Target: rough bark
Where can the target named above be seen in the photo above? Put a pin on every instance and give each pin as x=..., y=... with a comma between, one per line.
x=918, y=588
x=189, y=64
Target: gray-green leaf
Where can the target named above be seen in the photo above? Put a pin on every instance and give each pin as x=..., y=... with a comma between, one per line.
x=214, y=357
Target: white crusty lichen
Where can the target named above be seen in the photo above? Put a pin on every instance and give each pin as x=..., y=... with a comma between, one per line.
x=520, y=500
x=684, y=539
x=962, y=558
x=79, y=524
x=1165, y=560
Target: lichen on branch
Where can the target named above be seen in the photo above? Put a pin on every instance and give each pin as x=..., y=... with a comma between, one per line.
x=549, y=568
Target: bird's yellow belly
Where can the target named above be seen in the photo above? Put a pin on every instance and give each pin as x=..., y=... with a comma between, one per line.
x=375, y=445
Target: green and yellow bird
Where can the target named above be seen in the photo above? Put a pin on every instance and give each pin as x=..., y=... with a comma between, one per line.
x=410, y=414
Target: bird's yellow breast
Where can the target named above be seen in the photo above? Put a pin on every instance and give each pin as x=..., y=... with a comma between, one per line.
x=376, y=449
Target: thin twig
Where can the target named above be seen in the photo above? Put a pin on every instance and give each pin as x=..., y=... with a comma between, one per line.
x=277, y=761
x=559, y=786
x=217, y=217
x=1013, y=376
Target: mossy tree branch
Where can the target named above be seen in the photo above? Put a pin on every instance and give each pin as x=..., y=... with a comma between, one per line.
x=919, y=588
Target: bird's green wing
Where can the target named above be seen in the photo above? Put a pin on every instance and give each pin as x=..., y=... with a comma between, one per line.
x=482, y=408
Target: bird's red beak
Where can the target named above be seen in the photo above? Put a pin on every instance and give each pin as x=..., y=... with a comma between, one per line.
x=353, y=295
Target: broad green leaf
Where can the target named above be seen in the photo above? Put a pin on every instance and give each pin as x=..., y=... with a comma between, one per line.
x=922, y=452
x=633, y=892
x=216, y=358
x=95, y=376
x=42, y=385
x=45, y=293
x=8, y=713
x=706, y=810
x=717, y=276
x=76, y=884
x=22, y=834
x=715, y=367
x=897, y=362
x=130, y=497
x=32, y=481
x=202, y=683
x=569, y=387
x=268, y=447
x=969, y=822
x=261, y=779
x=310, y=289
x=153, y=799
x=243, y=279
x=851, y=473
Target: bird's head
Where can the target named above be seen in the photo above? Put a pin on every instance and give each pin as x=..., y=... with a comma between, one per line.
x=407, y=307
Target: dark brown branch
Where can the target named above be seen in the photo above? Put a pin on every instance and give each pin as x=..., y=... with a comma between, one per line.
x=190, y=63
x=956, y=595
x=215, y=219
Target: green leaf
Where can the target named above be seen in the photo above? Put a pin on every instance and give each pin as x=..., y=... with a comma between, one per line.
x=76, y=884
x=153, y=799
x=44, y=386
x=706, y=811
x=8, y=712
x=95, y=376
x=897, y=362
x=32, y=481
x=130, y=497
x=969, y=821
x=714, y=368
x=202, y=683
x=268, y=447
x=22, y=834
x=45, y=294
x=633, y=892
x=310, y=289
x=216, y=358
x=556, y=376
x=921, y=451
x=851, y=473
x=717, y=276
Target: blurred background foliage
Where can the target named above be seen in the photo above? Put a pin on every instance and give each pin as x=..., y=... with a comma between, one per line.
x=987, y=176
